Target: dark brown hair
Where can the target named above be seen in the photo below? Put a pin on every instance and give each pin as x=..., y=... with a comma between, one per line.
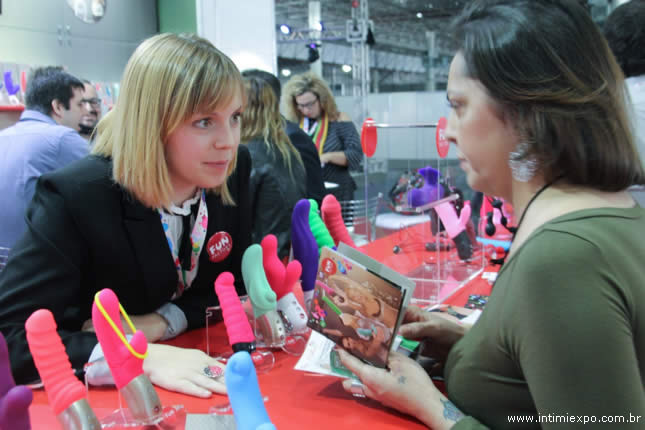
x=551, y=71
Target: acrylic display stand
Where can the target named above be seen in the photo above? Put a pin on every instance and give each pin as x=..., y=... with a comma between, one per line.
x=170, y=417
x=294, y=342
x=406, y=235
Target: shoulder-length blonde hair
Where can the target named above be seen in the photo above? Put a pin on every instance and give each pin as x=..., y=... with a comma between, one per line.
x=262, y=119
x=308, y=82
x=168, y=79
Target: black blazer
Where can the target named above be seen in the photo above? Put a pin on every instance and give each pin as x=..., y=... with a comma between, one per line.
x=86, y=233
x=310, y=159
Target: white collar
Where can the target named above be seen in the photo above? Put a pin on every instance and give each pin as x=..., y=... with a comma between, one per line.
x=185, y=206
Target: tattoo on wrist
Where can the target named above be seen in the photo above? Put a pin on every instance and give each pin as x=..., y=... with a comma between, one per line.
x=450, y=411
x=402, y=380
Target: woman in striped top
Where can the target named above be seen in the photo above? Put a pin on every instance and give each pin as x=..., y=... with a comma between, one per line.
x=309, y=102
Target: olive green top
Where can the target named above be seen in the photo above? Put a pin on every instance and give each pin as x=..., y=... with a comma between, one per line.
x=563, y=332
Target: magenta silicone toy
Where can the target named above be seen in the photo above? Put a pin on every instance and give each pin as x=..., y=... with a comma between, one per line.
x=63, y=388
x=14, y=400
x=456, y=227
x=305, y=249
x=123, y=364
x=333, y=219
x=240, y=335
x=281, y=278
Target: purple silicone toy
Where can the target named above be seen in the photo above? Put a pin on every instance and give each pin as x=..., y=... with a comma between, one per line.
x=305, y=249
x=429, y=192
x=14, y=401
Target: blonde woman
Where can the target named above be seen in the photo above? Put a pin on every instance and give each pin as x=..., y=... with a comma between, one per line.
x=308, y=101
x=165, y=176
x=278, y=178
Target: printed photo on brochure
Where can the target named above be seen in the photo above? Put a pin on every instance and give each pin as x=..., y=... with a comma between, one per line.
x=356, y=308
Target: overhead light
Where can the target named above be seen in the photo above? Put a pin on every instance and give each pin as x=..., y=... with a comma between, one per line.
x=346, y=68
x=286, y=73
x=285, y=29
x=419, y=15
x=319, y=26
x=313, y=54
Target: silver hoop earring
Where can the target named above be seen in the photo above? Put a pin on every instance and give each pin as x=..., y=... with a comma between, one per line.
x=523, y=166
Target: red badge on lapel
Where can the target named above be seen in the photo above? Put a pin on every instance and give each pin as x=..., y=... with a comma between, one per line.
x=219, y=246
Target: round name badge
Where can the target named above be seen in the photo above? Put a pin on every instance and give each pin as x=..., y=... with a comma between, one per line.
x=219, y=246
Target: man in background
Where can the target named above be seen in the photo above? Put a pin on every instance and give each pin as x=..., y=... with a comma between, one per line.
x=625, y=32
x=44, y=139
x=92, y=104
x=300, y=140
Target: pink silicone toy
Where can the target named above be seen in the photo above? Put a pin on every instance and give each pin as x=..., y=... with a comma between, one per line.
x=454, y=224
x=333, y=219
x=456, y=227
x=237, y=325
x=282, y=279
x=123, y=364
x=63, y=388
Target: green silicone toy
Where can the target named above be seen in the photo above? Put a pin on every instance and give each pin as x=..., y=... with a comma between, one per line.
x=262, y=296
x=318, y=228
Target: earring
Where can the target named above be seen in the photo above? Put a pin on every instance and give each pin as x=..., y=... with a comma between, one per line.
x=523, y=165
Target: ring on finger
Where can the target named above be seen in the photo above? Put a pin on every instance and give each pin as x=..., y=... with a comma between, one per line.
x=213, y=372
x=357, y=389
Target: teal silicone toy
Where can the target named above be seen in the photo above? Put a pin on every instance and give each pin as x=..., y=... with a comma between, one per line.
x=318, y=227
x=244, y=394
x=262, y=296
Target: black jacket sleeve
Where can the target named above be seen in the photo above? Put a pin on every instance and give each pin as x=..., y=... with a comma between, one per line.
x=310, y=160
x=45, y=270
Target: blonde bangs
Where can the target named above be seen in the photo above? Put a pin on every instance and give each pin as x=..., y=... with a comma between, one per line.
x=168, y=79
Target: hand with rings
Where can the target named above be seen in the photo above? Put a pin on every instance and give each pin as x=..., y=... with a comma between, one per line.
x=405, y=387
x=187, y=371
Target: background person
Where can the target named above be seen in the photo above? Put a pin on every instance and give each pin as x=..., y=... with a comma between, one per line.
x=45, y=139
x=625, y=32
x=299, y=139
x=92, y=104
x=308, y=101
x=278, y=175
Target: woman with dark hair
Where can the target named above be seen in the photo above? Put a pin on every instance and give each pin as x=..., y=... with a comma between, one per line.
x=538, y=116
x=278, y=177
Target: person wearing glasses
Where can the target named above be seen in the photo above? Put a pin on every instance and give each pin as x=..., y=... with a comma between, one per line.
x=92, y=115
x=45, y=139
x=309, y=102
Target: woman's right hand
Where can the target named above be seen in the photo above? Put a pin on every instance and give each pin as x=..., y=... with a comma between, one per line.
x=182, y=370
x=436, y=334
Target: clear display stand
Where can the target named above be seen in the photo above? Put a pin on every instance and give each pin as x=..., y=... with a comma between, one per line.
x=291, y=342
x=413, y=191
x=167, y=417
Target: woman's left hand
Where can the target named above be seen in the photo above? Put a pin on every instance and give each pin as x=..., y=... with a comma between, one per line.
x=405, y=387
